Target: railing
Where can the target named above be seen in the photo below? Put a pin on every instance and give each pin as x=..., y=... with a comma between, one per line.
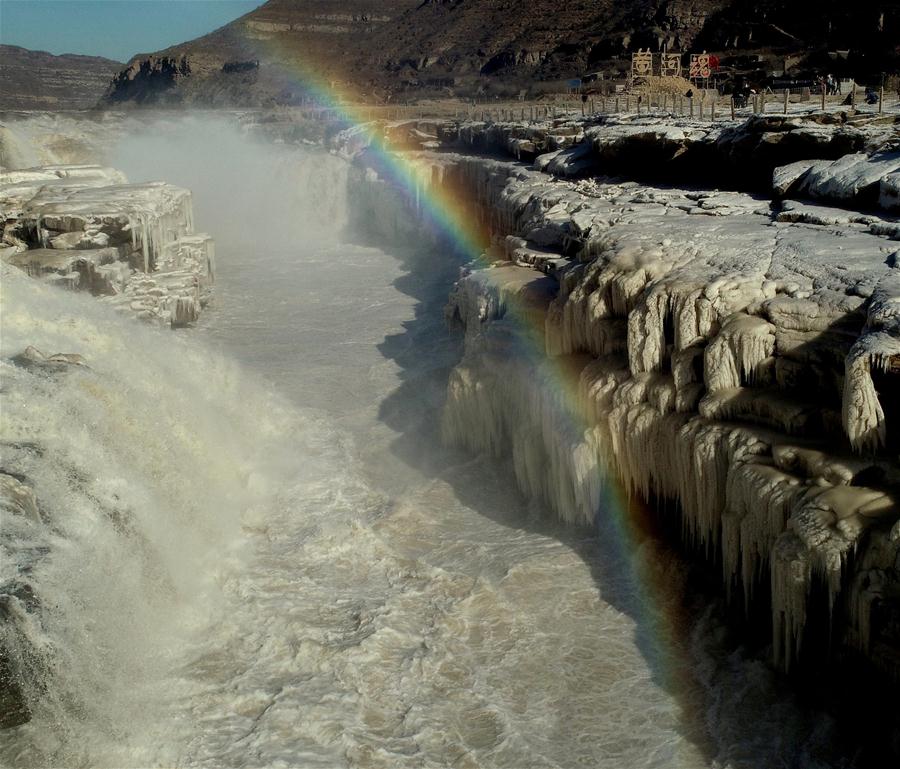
x=704, y=106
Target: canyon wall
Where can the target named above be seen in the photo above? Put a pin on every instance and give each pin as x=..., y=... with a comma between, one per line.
x=733, y=358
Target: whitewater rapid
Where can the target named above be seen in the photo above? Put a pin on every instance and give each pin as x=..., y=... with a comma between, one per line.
x=256, y=551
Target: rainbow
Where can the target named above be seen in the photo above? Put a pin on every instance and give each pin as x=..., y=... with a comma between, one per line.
x=623, y=521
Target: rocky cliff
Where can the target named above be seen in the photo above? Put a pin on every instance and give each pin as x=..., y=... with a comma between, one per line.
x=40, y=80
x=464, y=47
x=266, y=57
x=733, y=358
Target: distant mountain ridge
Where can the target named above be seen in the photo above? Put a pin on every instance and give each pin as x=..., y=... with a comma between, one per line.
x=386, y=50
x=42, y=81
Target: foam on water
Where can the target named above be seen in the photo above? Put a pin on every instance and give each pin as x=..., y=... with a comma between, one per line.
x=145, y=464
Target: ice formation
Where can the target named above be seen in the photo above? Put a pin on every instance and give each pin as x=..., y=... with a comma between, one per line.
x=133, y=245
x=705, y=347
x=839, y=157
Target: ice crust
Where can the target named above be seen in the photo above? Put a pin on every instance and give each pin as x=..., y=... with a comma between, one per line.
x=841, y=158
x=716, y=354
x=86, y=227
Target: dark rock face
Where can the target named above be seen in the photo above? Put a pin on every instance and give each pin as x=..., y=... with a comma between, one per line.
x=148, y=79
x=404, y=48
x=39, y=80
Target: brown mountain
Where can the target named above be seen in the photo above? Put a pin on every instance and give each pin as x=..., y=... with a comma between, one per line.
x=392, y=49
x=40, y=80
x=265, y=57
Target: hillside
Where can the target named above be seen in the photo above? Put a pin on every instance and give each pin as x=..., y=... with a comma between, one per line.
x=413, y=48
x=40, y=80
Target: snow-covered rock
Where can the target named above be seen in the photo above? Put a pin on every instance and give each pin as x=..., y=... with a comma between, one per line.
x=702, y=348
x=849, y=177
x=133, y=245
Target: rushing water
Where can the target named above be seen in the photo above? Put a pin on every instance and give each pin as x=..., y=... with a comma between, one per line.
x=257, y=553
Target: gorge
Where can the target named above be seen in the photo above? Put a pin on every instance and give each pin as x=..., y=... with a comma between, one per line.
x=409, y=547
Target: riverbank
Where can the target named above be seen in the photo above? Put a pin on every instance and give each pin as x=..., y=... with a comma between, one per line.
x=734, y=354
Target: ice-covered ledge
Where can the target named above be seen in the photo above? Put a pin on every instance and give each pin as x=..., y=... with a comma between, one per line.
x=738, y=355
x=132, y=245
x=836, y=157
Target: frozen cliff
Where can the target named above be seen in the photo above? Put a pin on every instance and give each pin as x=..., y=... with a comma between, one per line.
x=85, y=228
x=736, y=355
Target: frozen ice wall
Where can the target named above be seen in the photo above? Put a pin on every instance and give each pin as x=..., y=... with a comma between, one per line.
x=728, y=357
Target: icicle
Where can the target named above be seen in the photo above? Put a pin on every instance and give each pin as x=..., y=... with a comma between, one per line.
x=862, y=414
x=791, y=578
x=737, y=353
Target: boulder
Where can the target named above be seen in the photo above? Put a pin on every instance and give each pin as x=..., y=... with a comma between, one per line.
x=32, y=358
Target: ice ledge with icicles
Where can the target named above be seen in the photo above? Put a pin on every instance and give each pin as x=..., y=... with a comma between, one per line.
x=85, y=227
x=740, y=361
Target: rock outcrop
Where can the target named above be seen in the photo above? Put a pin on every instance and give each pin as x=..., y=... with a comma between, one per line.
x=132, y=245
x=842, y=157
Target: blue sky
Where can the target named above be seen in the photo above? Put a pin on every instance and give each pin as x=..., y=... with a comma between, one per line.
x=117, y=29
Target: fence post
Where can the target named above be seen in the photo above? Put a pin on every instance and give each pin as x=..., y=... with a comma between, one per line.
x=628, y=103
x=787, y=95
x=823, y=96
x=691, y=105
x=617, y=104
x=853, y=94
x=732, y=107
x=881, y=100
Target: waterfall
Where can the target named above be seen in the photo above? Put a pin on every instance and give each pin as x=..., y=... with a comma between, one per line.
x=243, y=545
x=144, y=462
